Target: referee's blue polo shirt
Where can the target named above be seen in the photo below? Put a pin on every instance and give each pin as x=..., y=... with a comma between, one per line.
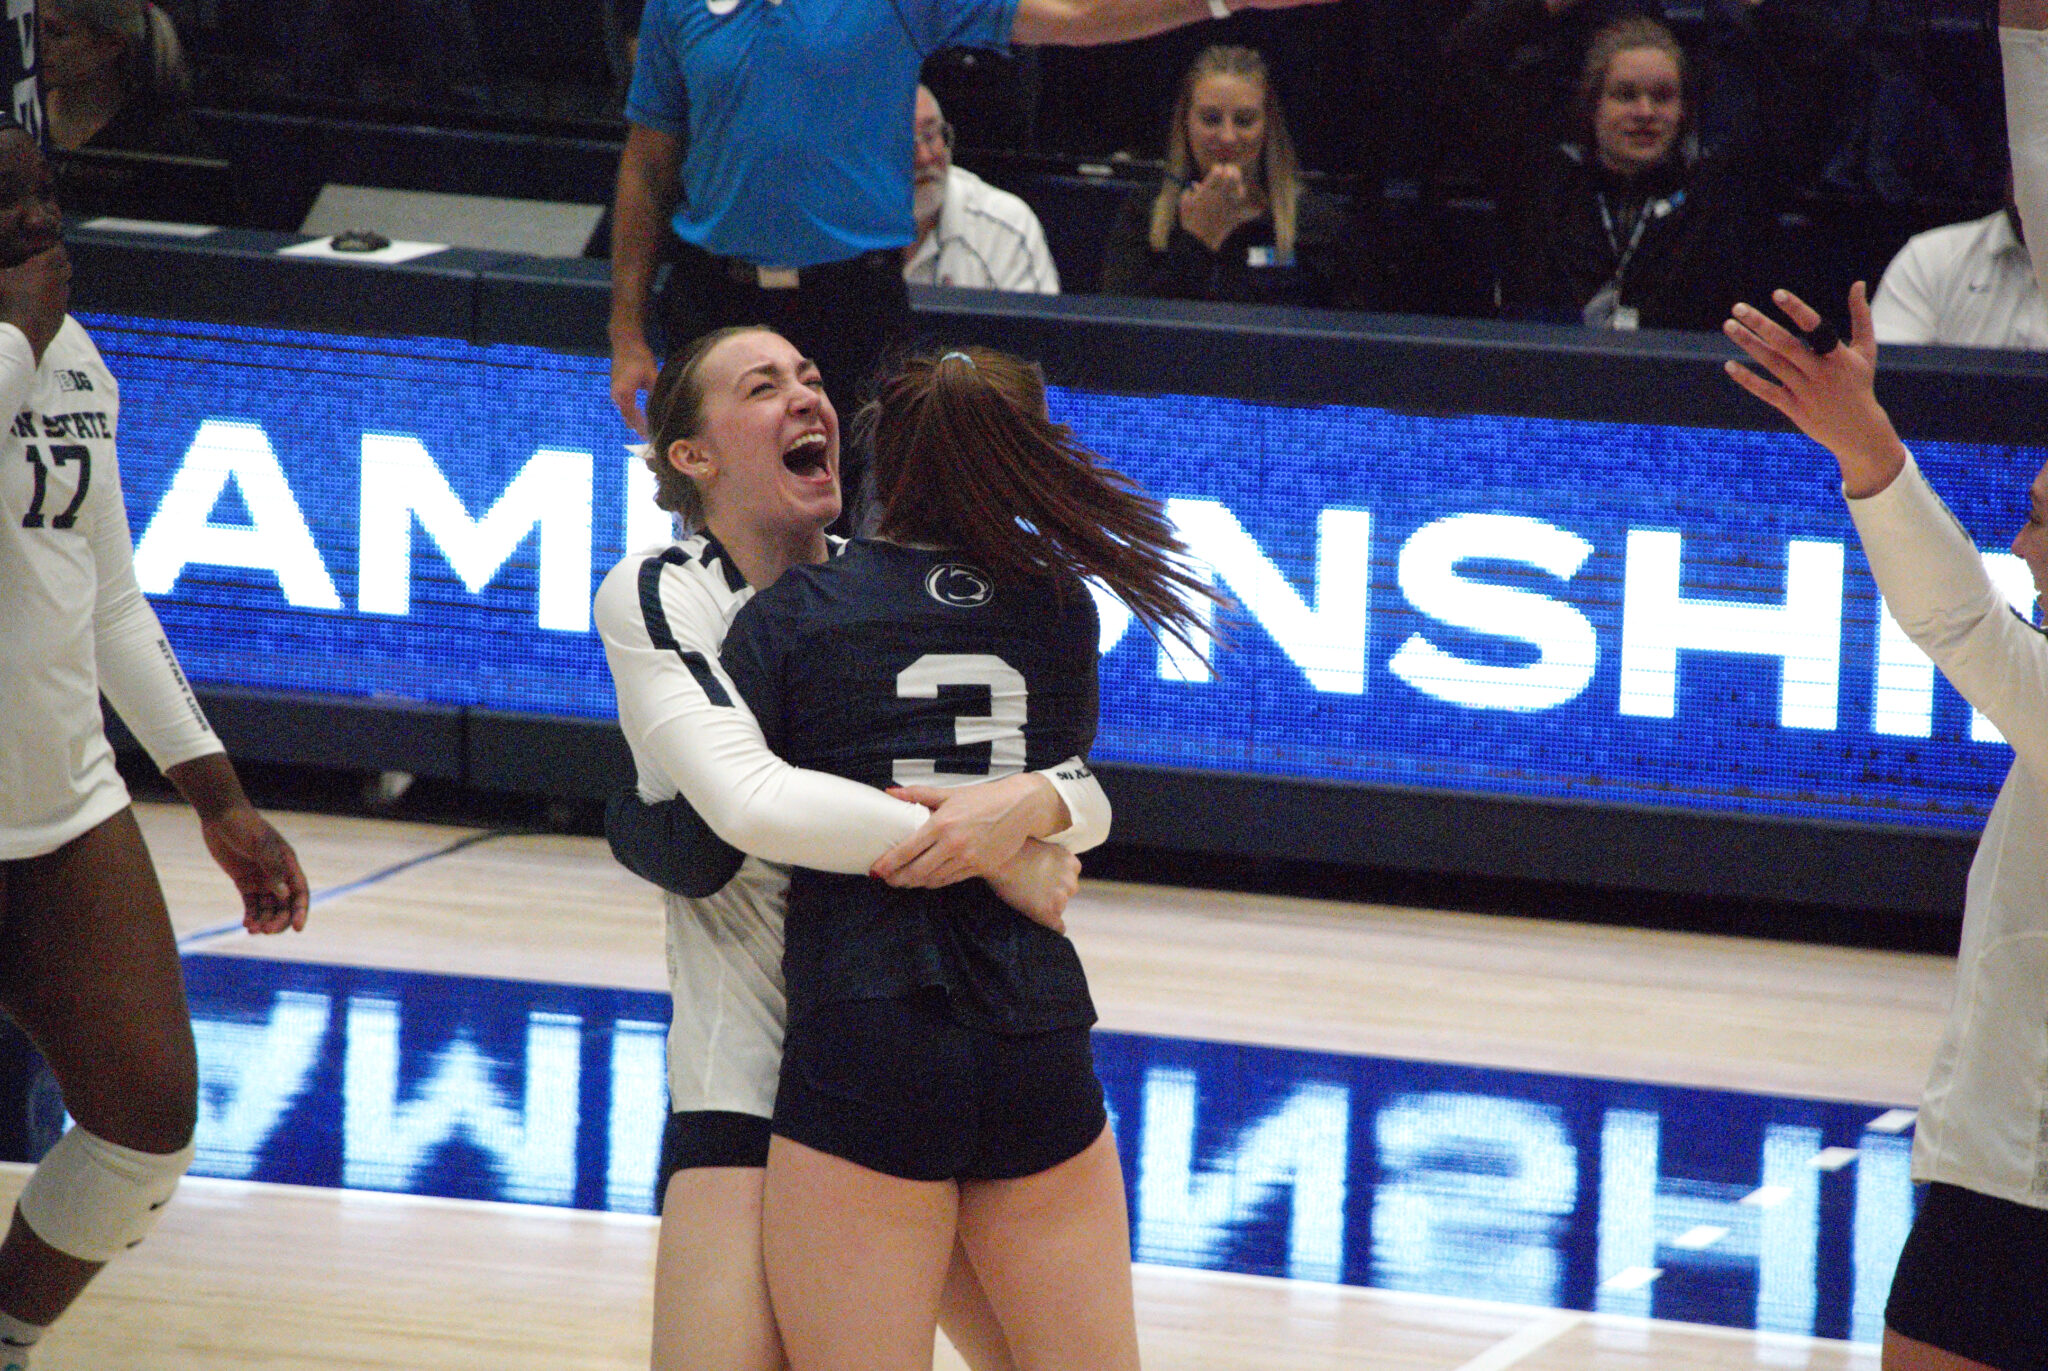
x=798, y=116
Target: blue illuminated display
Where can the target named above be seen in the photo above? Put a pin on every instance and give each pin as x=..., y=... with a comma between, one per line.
x=1619, y=612
x=1698, y=1205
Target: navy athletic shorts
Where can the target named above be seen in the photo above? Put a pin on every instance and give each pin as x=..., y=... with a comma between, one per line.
x=709, y=1137
x=901, y=1087
x=1973, y=1279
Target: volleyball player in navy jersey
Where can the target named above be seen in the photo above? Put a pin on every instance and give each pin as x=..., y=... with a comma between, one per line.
x=746, y=456
x=937, y=1080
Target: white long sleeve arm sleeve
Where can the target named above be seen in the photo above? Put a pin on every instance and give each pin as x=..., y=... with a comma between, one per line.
x=136, y=665
x=693, y=735
x=1934, y=583
x=138, y=672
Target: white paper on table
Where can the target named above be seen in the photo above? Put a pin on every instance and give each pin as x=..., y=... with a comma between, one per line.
x=162, y=227
x=398, y=251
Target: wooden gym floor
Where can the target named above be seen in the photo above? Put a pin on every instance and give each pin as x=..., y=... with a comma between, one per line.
x=285, y=1278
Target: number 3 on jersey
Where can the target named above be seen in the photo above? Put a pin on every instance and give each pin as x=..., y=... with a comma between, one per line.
x=1002, y=728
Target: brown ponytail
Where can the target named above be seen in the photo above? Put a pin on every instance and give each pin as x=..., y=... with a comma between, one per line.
x=966, y=457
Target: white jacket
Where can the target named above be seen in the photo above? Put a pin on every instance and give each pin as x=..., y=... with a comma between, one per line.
x=987, y=239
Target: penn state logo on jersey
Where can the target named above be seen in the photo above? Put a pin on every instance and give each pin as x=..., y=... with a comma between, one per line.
x=959, y=585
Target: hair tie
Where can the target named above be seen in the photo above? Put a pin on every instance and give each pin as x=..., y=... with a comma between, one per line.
x=949, y=356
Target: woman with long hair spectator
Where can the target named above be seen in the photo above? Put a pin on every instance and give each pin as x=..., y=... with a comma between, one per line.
x=114, y=76
x=1232, y=220
x=1626, y=223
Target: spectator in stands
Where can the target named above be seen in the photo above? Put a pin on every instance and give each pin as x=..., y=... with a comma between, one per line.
x=715, y=136
x=1512, y=71
x=114, y=77
x=968, y=232
x=1232, y=219
x=1628, y=224
x=1964, y=285
x=397, y=51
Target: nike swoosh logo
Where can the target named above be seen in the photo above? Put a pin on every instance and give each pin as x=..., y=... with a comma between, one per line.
x=721, y=7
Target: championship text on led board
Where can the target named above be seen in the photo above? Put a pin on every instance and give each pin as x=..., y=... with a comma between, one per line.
x=1605, y=611
x=1705, y=1206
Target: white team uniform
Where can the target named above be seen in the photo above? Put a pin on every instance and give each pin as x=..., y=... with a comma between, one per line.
x=662, y=614
x=73, y=621
x=1983, y=1121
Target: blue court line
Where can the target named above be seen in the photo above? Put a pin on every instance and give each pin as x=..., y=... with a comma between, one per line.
x=321, y=897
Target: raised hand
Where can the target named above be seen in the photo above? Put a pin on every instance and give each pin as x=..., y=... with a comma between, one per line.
x=1214, y=207
x=1831, y=396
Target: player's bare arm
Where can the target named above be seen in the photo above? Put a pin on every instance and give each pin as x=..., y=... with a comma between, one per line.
x=648, y=171
x=253, y=854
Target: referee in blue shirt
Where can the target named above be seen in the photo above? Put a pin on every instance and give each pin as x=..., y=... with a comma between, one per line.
x=775, y=137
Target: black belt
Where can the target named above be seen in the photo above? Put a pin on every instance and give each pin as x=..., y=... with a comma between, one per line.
x=740, y=271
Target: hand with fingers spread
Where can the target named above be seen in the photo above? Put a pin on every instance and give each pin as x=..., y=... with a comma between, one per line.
x=1830, y=395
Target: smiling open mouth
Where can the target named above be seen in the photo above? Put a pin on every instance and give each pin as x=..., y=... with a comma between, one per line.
x=807, y=455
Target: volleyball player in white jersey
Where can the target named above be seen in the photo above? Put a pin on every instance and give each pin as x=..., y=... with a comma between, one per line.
x=746, y=451
x=1971, y=1290
x=88, y=961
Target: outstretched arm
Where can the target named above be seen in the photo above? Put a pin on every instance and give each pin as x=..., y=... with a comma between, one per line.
x=1929, y=570
x=1083, y=23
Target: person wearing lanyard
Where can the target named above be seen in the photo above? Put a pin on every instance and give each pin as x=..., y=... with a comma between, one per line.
x=1626, y=224
x=776, y=138
x=1605, y=309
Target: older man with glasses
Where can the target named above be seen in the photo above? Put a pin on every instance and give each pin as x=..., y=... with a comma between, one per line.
x=968, y=232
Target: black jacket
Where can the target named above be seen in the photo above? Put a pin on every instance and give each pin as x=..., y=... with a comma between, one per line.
x=1331, y=267
x=1694, y=257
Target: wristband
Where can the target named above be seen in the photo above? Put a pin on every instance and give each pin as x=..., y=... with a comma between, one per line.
x=1218, y=9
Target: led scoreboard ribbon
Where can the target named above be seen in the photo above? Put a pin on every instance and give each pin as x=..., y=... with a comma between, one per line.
x=1621, y=612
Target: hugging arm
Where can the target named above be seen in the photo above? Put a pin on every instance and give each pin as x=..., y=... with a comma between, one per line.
x=694, y=735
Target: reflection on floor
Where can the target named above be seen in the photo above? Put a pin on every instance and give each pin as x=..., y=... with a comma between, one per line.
x=1748, y=1211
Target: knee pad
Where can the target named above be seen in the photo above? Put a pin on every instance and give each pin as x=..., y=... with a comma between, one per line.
x=93, y=1200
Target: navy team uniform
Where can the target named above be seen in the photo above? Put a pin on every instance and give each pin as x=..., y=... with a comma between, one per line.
x=933, y=1034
